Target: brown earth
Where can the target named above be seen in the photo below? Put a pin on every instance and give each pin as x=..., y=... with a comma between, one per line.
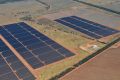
x=105, y=66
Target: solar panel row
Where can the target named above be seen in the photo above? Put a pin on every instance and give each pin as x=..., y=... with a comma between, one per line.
x=87, y=27
x=37, y=49
x=10, y=66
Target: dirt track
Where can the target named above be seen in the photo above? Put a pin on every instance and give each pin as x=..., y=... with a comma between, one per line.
x=105, y=66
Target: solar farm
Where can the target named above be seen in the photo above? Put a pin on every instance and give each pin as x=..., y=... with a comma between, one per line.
x=11, y=68
x=44, y=40
x=89, y=28
x=36, y=49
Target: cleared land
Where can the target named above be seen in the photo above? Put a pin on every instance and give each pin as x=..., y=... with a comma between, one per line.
x=103, y=67
x=110, y=4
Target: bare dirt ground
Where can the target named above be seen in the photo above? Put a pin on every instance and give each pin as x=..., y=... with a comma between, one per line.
x=104, y=66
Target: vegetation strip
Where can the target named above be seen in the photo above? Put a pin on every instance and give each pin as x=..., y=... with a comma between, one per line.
x=100, y=7
x=86, y=59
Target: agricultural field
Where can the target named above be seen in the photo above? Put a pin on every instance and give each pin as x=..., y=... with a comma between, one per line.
x=110, y=4
x=21, y=8
x=106, y=62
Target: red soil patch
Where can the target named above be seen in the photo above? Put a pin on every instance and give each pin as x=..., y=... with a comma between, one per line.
x=105, y=66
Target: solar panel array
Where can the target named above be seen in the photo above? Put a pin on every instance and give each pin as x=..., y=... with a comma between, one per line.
x=37, y=49
x=89, y=28
x=10, y=66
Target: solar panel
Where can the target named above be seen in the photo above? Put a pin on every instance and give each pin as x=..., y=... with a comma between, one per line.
x=89, y=28
x=10, y=66
x=37, y=49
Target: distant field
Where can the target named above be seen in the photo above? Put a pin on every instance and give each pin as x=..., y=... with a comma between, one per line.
x=22, y=8
x=110, y=4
